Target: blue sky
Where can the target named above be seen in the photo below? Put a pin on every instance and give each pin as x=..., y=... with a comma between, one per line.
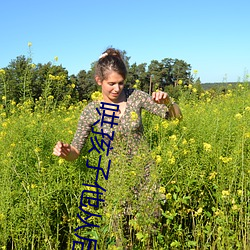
x=212, y=36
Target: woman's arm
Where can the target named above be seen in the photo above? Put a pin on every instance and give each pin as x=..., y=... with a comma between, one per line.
x=66, y=151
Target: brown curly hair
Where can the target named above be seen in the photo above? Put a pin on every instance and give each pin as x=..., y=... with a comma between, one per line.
x=110, y=60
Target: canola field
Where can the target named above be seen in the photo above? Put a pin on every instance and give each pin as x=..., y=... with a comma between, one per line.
x=201, y=167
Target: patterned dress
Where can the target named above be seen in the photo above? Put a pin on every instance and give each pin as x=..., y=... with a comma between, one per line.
x=129, y=130
x=130, y=182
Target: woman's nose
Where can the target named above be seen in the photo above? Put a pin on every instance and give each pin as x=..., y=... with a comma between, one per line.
x=116, y=87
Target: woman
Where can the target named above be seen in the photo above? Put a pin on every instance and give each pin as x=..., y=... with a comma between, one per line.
x=110, y=74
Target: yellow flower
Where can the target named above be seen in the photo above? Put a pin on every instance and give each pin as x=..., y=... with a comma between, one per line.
x=207, y=147
x=51, y=77
x=239, y=192
x=175, y=122
x=158, y=159
x=195, y=71
x=37, y=149
x=33, y=186
x=190, y=86
x=156, y=127
x=3, y=97
x=184, y=141
x=50, y=97
x=133, y=116
x=2, y=72
x=198, y=212
x=212, y=175
x=162, y=190
x=247, y=108
x=180, y=82
x=218, y=212
x=238, y=116
x=133, y=173
x=96, y=96
x=108, y=215
x=173, y=137
x=247, y=135
x=171, y=160
x=235, y=207
x=191, y=140
x=56, y=58
x=135, y=86
x=225, y=159
x=137, y=81
x=164, y=124
x=73, y=85
x=2, y=217
x=194, y=90
x=29, y=44
x=225, y=193
x=61, y=161
x=168, y=196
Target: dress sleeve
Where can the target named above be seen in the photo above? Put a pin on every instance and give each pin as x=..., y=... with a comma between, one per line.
x=87, y=119
x=151, y=106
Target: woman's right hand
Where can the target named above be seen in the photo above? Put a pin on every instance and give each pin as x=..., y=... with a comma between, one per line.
x=66, y=151
x=61, y=149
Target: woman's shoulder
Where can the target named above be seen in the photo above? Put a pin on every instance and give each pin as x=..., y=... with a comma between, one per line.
x=135, y=93
x=90, y=108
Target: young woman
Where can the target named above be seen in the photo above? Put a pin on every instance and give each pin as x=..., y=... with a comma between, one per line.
x=110, y=74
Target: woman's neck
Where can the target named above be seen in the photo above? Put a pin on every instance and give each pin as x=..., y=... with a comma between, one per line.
x=121, y=98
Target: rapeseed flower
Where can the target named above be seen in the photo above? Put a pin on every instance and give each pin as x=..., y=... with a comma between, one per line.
x=184, y=141
x=2, y=72
x=133, y=116
x=56, y=58
x=2, y=217
x=212, y=175
x=198, y=212
x=158, y=159
x=29, y=44
x=168, y=196
x=180, y=82
x=162, y=190
x=171, y=160
x=235, y=207
x=225, y=193
x=239, y=192
x=173, y=137
x=225, y=159
x=207, y=147
x=96, y=96
x=156, y=127
x=164, y=124
x=238, y=116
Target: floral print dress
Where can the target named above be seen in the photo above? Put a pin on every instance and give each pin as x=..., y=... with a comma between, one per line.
x=129, y=130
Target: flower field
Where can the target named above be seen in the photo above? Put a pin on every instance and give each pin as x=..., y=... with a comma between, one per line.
x=201, y=166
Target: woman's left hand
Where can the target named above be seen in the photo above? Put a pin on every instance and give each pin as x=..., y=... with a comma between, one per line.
x=161, y=97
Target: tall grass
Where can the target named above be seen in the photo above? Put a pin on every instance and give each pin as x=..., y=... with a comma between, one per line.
x=201, y=168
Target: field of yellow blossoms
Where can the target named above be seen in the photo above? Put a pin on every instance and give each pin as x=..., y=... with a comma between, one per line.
x=201, y=167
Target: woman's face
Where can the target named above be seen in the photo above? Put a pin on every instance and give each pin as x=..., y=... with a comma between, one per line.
x=112, y=86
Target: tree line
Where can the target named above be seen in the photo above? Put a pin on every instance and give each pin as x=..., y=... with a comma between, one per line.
x=22, y=79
